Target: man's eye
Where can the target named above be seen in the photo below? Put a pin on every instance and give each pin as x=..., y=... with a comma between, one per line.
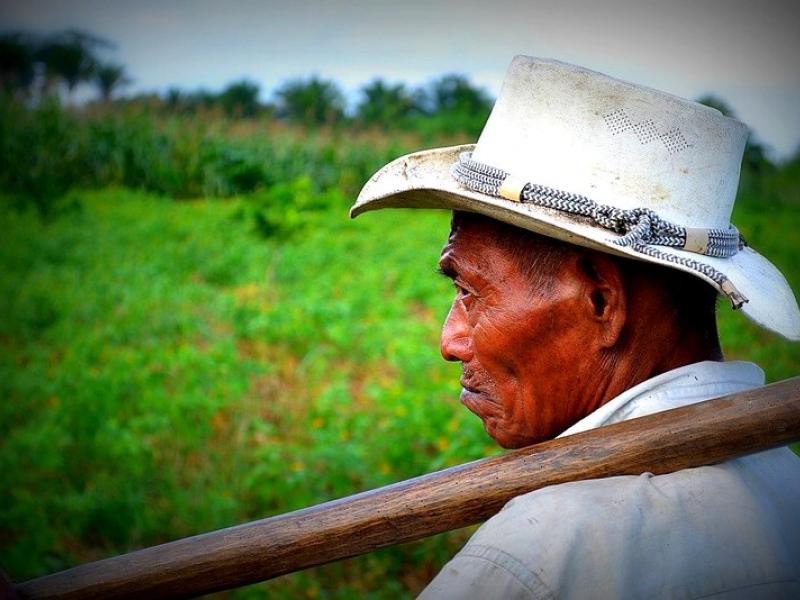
x=463, y=293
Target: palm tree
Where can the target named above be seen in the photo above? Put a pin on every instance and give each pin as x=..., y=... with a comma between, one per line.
x=109, y=77
x=315, y=101
x=17, y=63
x=385, y=103
x=69, y=57
x=240, y=99
x=455, y=94
x=454, y=105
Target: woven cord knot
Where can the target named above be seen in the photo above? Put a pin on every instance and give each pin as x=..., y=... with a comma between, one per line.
x=636, y=232
x=612, y=218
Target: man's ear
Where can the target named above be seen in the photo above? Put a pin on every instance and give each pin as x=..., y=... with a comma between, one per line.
x=605, y=299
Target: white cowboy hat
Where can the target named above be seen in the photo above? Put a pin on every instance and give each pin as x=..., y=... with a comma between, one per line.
x=591, y=160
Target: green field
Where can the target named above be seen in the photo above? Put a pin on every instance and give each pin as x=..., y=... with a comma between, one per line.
x=166, y=371
x=171, y=367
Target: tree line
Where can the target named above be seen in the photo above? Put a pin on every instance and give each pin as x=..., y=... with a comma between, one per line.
x=319, y=101
x=33, y=68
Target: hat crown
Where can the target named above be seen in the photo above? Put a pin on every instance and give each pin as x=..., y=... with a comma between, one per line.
x=620, y=144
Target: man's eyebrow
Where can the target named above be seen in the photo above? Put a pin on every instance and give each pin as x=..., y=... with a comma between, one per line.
x=446, y=269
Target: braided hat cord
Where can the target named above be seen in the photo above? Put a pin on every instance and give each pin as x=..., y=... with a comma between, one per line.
x=640, y=228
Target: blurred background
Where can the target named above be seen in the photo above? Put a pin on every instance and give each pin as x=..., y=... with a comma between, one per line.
x=193, y=334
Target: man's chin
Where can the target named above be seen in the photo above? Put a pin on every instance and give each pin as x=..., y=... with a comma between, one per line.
x=506, y=439
x=493, y=422
x=490, y=414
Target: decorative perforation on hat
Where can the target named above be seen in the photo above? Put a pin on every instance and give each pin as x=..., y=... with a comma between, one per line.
x=674, y=140
x=619, y=122
x=645, y=131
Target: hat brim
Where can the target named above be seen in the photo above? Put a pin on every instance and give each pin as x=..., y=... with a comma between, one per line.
x=423, y=180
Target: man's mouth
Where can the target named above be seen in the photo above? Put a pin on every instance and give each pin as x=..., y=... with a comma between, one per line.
x=476, y=400
x=471, y=400
x=468, y=387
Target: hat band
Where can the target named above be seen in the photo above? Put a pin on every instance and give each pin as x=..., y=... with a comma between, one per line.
x=640, y=228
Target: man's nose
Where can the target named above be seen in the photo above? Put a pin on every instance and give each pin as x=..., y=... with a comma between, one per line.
x=456, y=343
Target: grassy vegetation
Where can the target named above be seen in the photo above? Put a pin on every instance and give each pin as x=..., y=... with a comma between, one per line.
x=166, y=371
x=168, y=368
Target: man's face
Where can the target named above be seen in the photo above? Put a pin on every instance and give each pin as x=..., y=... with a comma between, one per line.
x=521, y=344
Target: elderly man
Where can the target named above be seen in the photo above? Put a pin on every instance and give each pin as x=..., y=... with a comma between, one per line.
x=590, y=238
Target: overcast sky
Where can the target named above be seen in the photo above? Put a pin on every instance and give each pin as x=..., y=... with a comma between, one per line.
x=746, y=52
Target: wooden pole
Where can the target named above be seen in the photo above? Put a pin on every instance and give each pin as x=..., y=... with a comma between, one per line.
x=700, y=434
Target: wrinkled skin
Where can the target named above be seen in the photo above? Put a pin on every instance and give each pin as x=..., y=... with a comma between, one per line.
x=539, y=356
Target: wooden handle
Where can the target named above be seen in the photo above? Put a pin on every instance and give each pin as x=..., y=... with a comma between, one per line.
x=700, y=434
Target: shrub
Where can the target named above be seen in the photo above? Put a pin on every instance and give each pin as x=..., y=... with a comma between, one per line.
x=40, y=156
x=286, y=209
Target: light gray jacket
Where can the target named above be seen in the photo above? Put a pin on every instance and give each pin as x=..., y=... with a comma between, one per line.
x=726, y=531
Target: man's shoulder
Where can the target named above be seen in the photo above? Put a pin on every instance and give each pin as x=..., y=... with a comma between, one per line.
x=742, y=500
x=716, y=527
